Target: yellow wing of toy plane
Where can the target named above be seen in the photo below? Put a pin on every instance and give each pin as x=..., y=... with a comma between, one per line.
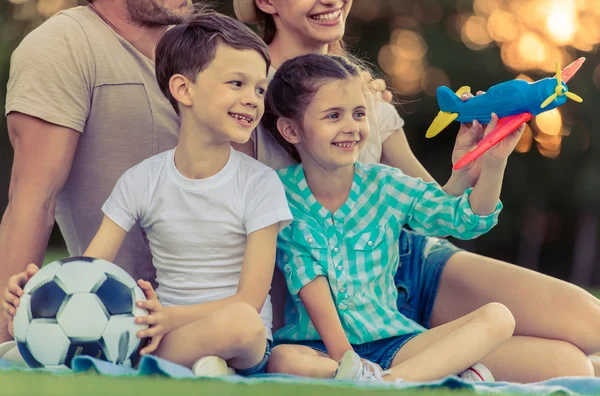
x=443, y=118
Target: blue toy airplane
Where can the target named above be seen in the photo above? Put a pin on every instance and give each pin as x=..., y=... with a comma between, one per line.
x=515, y=102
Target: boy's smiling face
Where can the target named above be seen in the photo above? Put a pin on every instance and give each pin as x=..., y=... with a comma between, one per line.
x=227, y=98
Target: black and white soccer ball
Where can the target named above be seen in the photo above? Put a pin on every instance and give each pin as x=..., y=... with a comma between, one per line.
x=78, y=306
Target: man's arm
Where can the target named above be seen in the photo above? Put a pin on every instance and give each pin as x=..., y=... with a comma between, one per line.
x=43, y=154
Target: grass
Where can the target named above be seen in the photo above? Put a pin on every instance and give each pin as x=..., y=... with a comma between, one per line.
x=21, y=383
x=89, y=384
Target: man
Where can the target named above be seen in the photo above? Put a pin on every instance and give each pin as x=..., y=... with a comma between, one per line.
x=83, y=106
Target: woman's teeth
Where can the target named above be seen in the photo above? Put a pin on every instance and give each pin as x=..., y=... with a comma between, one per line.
x=332, y=16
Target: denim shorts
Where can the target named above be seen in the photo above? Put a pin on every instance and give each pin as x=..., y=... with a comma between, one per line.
x=261, y=366
x=381, y=352
x=422, y=260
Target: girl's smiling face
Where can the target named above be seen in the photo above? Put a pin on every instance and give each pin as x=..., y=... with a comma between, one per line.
x=334, y=126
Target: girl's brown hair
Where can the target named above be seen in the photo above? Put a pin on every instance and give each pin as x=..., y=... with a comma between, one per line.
x=294, y=86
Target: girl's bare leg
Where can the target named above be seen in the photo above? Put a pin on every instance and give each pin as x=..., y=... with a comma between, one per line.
x=453, y=347
x=302, y=361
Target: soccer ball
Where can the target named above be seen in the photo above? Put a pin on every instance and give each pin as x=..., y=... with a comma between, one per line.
x=78, y=306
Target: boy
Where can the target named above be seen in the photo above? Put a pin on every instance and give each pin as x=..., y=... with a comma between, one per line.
x=211, y=214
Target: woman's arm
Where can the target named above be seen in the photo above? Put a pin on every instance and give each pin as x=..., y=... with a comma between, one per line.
x=319, y=304
x=397, y=153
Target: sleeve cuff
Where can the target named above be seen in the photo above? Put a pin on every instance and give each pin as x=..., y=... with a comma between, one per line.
x=282, y=216
x=299, y=277
x=47, y=116
x=475, y=221
x=118, y=216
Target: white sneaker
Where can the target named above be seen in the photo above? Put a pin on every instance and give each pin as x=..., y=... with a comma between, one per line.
x=351, y=367
x=477, y=373
x=10, y=352
x=212, y=366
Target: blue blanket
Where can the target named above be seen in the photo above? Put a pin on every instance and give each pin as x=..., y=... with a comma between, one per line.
x=151, y=365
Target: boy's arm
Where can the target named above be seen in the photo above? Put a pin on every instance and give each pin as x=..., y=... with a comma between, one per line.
x=255, y=279
x=107, y=241
x=316, y=297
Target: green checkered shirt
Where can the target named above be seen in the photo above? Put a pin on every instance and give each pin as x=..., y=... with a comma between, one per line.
x=356, y=247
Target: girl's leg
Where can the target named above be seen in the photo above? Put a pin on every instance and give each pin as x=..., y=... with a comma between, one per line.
x=531, y=359
x=235, y=333
x=302, y=361
x=453, y=347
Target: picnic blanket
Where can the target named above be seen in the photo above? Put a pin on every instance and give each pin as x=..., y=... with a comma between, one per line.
x=151, y=365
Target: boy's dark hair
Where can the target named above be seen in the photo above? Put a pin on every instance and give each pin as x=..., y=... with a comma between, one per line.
x=294, y=86
x=188, y=48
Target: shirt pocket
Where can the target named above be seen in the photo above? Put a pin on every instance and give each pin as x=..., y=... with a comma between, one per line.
x=370, y=248
x=308, y=237
x=368, y=240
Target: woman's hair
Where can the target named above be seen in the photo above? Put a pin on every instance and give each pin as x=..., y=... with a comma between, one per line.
x=268, y=29
x=294, y=86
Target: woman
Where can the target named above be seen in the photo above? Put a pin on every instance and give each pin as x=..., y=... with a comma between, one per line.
x=439, y=282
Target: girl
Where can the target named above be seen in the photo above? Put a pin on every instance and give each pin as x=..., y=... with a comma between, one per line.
x=437, y=282
x=341, y=252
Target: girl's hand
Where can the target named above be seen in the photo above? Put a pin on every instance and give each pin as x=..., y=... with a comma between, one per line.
x=498, y=154
x=466, y=177
x=157, y=318
x=13, y=293
x=469, y=135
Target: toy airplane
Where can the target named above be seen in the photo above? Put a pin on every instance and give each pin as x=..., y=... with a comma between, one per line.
x=515, y=102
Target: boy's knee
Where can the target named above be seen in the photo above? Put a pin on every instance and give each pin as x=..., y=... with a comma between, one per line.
x=243, y=324
x=500, y=319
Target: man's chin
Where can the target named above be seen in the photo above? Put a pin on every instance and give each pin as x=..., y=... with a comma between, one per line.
x=152, y=13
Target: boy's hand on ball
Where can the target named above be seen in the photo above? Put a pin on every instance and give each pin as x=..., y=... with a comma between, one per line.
x=157, y=318
x=14, y=291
